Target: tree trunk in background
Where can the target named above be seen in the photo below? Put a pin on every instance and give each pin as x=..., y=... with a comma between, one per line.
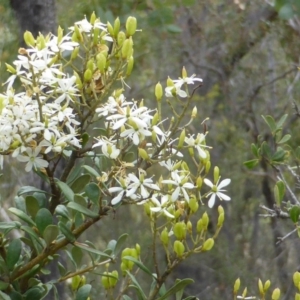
x=38, y=16
x=35, y=16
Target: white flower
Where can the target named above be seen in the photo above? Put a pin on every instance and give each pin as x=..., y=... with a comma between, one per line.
x=187, y=80
x=136, y=134
x=198, y=143
x=32, y=159
x=181, y=183
x=216, y=190
x=170, y=91
x=162, y=205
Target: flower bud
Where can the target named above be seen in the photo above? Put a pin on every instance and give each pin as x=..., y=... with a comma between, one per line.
x=123, y=268
x=216, y=174
x=138, y=249
x=60, y=34
x=143, y=154
x=200, y=226
x=260, y=287
x=114, y=279
x=189, y=227
x=221, y=220
x=170, y=82
x=296, y=279
x=75, y=282
x=96, y=34
x=110, y=29
x=127, y=48
x=90, y=64
x=244, y=294
x=29, y=39
x=11, y=69
x=158, y=91
x=205, y=220
x=93, y=18
x=297, y=296
x=121, y=38
x=101, y=62
x=147, y=209
x=208, y=244
x=105, y=280
x=78, y=35
x=199, y=182
x=276, y=294
x=130, y=64
x=178, y=248
x=134, y=253
x=194, y=112
x=74, y=53
x=193, y=204
x=164, y=237
x=131, y=26
x=179, y=230
x=78, y=81
x=181, y=139
x=87, y=75
x=207, y=167
x=155, y=119
x=41, y=42
x=236, y=286
x=116, y=27
x=267, y=285
x=184, y=73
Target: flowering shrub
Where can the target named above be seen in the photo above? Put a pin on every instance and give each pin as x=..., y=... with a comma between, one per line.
x=71, y=83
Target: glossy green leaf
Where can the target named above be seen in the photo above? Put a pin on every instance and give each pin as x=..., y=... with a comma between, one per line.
x=92, y=191
x=77, y=255
x=279, y=155
x=61, y=210
x=294, y=213
x=250, y=164
x=120, y=243
x=270, y=122
x=285, y=138
x=20, y=214
x=91, y=250
x=41, y=199
x=33, y=235
x=35, y=293
x=136, y=285
x=79, y=184
x=43, y=219
x=13, y=253
x=50, y=234
x=66, y=232
x=91, y=171
x=178, y=286
x=79, y=208
x=281, y=189
x=30, y=189
x=83, y=292
x=9, y=225
x=32, y=205
x=65, y=189
x=140, y=265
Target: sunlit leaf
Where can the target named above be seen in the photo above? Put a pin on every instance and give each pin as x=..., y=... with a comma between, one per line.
x=250, y=164
x=294, y=213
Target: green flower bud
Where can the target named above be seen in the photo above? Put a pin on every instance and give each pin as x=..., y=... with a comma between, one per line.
x=155, y=119
x=78, y=34
x=178, y=248
x=82, y=281
x=194, y=112
x=75, y=282
x=170, y=82
x=105, y=281
x=41, y=42
x=164, y=237
x=134, y=253
x=74, y=53
x=205, y=220
x=87, y=75
x=193, y=204
x=93, y=18
x=90, y=64
x=114, y=279
x=179, y=230
x=78, y=81
x=123, y=268
x=11, y=69
x=116, y=27
x=220, y=209
x=60, y=34
x=101, y=62
x=147, y=209
x=127, y=48
x=181, y=139
x=184, y=73
x=200, y=226
x=297, y=296
x=158, y=91
x=276, y=294
x=267, y=285
x=191, y=151
x=260, y=287
x=208, y=244
x=138, y=249
x=130, y=64
x=29, y=39
x=121, y=38
x=244, y=294
x=236, y=286
x=143, y=154
x=221, y=219
x=216, y=175
x=199, y=182
x=189, y=227
x=296, y=279
x=131, y=26
x=96, y=34
x=110, y=29
x=207, y=167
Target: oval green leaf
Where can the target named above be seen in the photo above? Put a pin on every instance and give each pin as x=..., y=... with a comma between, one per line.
x=13, y=253
x=50, y=234
x=43, y=219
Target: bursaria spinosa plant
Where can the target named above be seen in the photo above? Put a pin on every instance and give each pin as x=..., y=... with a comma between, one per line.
x=73, y=85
